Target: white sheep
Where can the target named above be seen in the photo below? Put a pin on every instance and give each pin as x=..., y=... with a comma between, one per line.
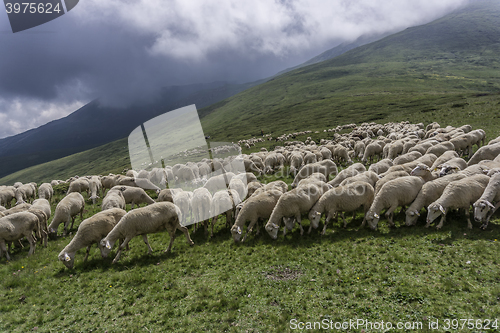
x=408, y=157
x=45, y=191
x=326, y=167
x=351, y=171
x=25, y=193
x=296, y=162
x=373, y=149
x=94, y=187
x=440, y=148
x=79, y=185
x=381, y=166
x=133, y=195
x=369, y=177
x=347, y=198
x=444, y=158
x=218, y=182
x=114, y=199
x=142, y=221
x=6, y=196
x=454, y=165
x=460, y=194
x=388, y=177
x=252, y=187
x=18, y=225
x=44, y=206
x=66, y=211
x=239, y=186
x=489, y=201
x=293, y=204
x=257, y=207
x=488, y=152
x=200, y=204
x=223, y=202
x=89, y=232
x=393, y=194
x=182, y=200
x=430, y=192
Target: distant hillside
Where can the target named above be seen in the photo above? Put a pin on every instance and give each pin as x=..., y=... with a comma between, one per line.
x=416, y=69
x=94, y=125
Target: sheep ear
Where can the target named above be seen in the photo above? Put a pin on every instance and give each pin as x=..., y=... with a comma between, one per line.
x=108, y=246
x=442, y=209
x=318, y=213
x=435, y=169
x=417, y=213
x=376, y=216
x=490, y=204
x=274, y=226
x=456, y=168
x=239, y=230
x=66, y=257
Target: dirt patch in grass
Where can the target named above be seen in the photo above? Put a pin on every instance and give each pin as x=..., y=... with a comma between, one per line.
x=280, y=273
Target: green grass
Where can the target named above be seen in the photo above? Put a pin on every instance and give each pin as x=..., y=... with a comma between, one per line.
x=400, y=274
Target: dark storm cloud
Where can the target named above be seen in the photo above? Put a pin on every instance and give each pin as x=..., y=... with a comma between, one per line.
x=124, y=50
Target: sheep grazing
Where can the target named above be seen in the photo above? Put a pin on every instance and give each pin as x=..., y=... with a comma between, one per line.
x=200, y=204
x=257, y=207
x=372, y=150
x=114, y=199
x=351, y=171
x=381, y=166
x=252, y=187
x=440, y=148
x=388, y=177
x=223, y=202
x=397, y=192
x=325, y=167
x=293, y=204
x=488, y=152
x=19, y=225
x=369, y=177
x=94, y=186
x=460, y=194
x=454, y=165
x=167, y=195
x=347, y=198
x=142, y=221
x=44, y=206
x=489, y=201
x=79, y=185
x=430, y=192
x=451, y=154
x=182, y=200
x=218, y=182
x=405, y=158
x=296, y=162
x=45, y=191
x=66, y=211
x=239, y=186
x=25, y=193
x=90, y=231
x=6, y=196
x=133, y=195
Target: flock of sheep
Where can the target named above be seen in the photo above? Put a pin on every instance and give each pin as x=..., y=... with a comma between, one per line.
x=416, y=168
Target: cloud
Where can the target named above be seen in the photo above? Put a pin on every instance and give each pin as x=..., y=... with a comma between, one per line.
x=121, y=51
x=191, y=30
x=19, y=115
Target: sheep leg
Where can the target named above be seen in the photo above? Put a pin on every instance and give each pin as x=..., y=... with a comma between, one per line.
x=366, y=209
x=284, y=227
x=66, y=226
x=440, y=225
x=343, y=219
x=145, y=239
x=214, y=220
x=389, y=214
x=120, y=249
x=299, y=221
x=3, y=248
x=327, y=219
x=32, y=242
x=87, y=253
x=467, y=213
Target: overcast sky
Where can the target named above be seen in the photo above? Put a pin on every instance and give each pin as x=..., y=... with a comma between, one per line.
x=123, y=50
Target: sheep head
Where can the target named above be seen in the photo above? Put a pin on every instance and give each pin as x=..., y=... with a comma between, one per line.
x=314, y=217
x=68, y=259
x=434, y=211
x=105, y=246
x=481, y=209
x=272, y=230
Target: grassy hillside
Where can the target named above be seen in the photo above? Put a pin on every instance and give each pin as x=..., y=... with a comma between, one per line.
x=401, y=274
x=446, y=71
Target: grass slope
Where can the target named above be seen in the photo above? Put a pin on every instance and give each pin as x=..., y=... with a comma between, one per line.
x=397, y=275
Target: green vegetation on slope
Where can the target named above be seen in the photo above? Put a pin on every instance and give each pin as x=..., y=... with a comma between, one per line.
x=398, y=275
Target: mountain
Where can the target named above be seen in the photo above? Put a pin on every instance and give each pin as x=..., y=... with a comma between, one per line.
x=420, y=69
x=94, y=125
